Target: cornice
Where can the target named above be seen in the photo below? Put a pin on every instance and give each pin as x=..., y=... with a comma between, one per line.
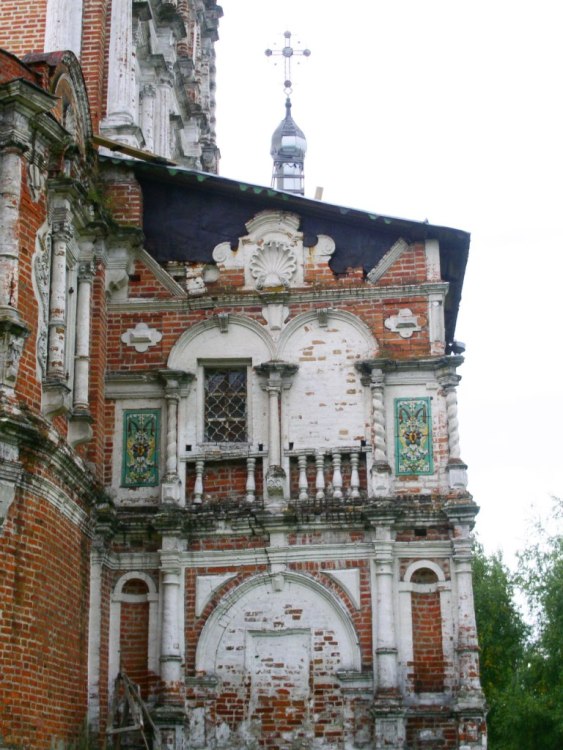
x=296, y=296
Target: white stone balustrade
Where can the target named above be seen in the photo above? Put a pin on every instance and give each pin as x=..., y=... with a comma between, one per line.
x=329, y=478
x=333, y=473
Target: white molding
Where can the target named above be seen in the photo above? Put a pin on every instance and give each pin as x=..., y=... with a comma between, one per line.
x=387, y=261
x=172, y=286
x=422, y=564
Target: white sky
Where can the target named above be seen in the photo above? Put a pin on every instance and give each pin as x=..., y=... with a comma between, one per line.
x=451, y=111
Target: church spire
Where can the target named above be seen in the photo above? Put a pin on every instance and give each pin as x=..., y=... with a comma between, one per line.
x=288, y=140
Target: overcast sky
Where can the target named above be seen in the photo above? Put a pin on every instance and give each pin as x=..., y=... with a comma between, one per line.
x=451, y=111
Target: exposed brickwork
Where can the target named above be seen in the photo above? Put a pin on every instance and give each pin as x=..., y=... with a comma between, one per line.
x=428, y=652
x=22, y=26
x=94, y=54
x=134, y=637
x=43, y=643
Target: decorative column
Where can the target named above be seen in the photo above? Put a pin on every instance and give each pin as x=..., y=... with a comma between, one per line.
x=448, y=380
x=55, y=389
x=374, y=377
x=277, y=378
x=176, y=382
x=64, y=25
x=122, y=98
x=80, y=423
x=389, y=719
x=13, y=331
x=148, y=100
x=467, y=644
x=82, y=352
x=163, y=105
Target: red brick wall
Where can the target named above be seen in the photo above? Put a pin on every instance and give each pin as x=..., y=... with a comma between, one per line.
x=22, y=26
x=428, y=652
x=134, y=637
x=430, y=733
x=94, y=55
x=98, y=363
x=44, y=595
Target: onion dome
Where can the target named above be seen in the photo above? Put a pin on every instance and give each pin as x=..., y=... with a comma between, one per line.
x=289, y=146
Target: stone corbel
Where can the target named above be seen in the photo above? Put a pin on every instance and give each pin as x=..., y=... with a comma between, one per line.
x=120, y=265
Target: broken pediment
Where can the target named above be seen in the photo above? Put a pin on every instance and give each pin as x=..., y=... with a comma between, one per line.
x=272, y=256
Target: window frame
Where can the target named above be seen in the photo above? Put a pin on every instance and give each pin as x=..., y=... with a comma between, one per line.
x=222, y=364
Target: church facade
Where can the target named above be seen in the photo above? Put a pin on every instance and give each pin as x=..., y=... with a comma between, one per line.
x=233, y=509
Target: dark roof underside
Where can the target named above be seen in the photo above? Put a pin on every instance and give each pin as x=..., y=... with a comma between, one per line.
x=186, y=214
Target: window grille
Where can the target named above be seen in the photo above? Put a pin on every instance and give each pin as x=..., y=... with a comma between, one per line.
x=225, y=405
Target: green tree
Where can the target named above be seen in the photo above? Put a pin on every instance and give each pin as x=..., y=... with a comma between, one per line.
x=522, y=665
x=502, y=638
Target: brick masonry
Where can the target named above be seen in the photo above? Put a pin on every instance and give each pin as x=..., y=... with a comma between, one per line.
x=291, y=591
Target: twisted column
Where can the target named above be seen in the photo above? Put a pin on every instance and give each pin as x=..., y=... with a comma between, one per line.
x=457, y=470
x=379, y=437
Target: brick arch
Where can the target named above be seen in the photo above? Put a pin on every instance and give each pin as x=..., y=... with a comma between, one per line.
x=133, y=630
x=312, y=596
x=428, y=660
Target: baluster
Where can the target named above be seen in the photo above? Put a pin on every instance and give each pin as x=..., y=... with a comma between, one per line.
x=354, y=476
x=198, y=485
x=250, y=480
x=320, y=481
x=337, y=476
x=303, y=486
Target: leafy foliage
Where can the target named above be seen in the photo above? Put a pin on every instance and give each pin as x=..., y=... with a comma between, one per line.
x=522, y=665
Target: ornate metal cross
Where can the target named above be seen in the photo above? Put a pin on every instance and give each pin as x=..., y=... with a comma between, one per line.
x=287, y=53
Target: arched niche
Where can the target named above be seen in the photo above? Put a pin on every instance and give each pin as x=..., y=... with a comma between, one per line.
x=285, y=613
x=232, y=341
x=326, y=404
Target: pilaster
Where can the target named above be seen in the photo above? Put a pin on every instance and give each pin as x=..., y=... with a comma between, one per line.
x=176, y=384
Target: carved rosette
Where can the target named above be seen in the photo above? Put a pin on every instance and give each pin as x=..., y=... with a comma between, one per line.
x=273, y=265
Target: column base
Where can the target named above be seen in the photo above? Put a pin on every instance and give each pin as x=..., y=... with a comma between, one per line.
x=275, y=487
x=457, y=475
x=389, y=724
x=171, y=490
x=381, y=479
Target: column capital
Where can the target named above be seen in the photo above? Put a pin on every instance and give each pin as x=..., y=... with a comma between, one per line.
x=278, y=374
x=176, y=382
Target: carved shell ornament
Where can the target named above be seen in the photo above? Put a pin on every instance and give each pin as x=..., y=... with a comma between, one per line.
x=273, y=266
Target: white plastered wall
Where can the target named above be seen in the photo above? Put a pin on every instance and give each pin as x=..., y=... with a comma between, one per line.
x=325, y=406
